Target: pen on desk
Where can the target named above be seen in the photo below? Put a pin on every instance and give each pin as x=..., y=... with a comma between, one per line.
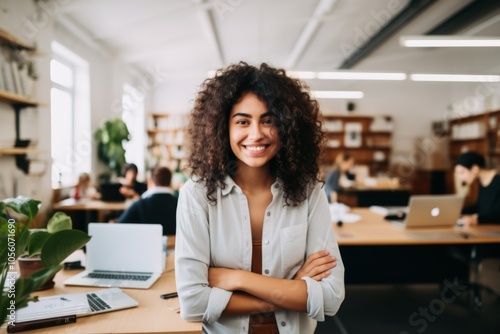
x=40, y=323
x=169, y=295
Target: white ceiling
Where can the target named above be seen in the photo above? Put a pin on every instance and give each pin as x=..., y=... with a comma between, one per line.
x=185, y=36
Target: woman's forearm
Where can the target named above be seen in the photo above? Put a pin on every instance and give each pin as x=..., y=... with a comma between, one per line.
x=242, y=303
x=284, y=293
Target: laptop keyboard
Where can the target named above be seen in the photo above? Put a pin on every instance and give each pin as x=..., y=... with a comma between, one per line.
x=126, y=277
x=96, y=303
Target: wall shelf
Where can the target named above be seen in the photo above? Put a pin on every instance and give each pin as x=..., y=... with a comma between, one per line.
x=15, y=99
x=19, y=151
x=18, y=103
x=485, y=133
x=373, y=139
x=9, y=40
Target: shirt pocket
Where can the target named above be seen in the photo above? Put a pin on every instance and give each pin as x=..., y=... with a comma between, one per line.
x=293, y=248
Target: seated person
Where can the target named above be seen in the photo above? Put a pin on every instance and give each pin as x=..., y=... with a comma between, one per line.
x=340, y=177
x=158, y=205
x=83, y=189
x=132, y=189
x=470, y=168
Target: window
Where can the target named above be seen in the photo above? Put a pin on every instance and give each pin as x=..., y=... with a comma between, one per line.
x=71, y=140
x=133, y=116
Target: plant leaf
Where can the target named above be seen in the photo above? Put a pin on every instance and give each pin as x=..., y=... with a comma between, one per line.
x=22, y=241
x=24, y=287
x=24, y=205
x=43, y=275
x=58, y=222
x=36, y=241
x=60, y=245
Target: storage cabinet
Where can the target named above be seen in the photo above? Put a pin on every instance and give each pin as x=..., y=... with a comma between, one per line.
x=367, y=138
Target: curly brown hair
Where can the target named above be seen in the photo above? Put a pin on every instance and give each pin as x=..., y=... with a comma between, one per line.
x=294, y=114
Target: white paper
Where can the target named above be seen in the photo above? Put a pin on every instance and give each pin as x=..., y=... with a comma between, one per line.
x=54, y=306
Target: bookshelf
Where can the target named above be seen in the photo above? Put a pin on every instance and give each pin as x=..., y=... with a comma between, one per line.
x=479, y=133
x=166, y=138
x=11, y=95
x=367, y=138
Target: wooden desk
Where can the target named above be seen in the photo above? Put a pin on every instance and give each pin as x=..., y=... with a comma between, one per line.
x=101, y=207
x=383, y=195
x=71, y=204
x=151, y=316
x=375, y=251
x=373, y=230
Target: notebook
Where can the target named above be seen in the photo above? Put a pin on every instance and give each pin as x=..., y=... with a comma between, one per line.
x=79, y=304
x=122, y=255
x=110, y=192
x=432, y=211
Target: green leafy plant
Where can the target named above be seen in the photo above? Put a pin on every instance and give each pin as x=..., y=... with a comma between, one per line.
x=110, y=138
x=52, y=244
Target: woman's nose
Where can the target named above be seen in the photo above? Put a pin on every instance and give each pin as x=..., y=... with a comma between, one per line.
x=256, y=132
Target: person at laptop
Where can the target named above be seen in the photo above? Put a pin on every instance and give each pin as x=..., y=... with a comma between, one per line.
x=470, y=168
x=131, y=188
x=157, y=205
x=255, y=247
x=84, y=188
x=340, y=177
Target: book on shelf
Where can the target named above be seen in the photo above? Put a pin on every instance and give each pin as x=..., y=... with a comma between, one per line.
x=7, y=77
x=18, y=89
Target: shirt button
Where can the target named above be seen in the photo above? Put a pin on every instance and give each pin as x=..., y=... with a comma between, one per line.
x=283, y=323
x=268, y=213
x=266, y=242
x=266, y=271
x=276, y=186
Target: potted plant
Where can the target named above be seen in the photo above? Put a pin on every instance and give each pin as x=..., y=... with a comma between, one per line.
x=110, y=138
x=50, y=246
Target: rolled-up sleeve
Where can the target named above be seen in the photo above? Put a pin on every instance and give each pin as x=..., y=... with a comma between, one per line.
x=198, y=301
x=325, y=296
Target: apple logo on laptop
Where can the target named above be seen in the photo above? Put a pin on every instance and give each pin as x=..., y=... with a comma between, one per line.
x=435, y=212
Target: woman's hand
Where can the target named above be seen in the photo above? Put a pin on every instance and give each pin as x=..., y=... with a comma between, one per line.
x=223, y=278
x=469, y=220
x=317, y=266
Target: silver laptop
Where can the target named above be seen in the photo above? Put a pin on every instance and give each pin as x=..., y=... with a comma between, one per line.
x=122, y=255
x=79, y=304
x=432, y=211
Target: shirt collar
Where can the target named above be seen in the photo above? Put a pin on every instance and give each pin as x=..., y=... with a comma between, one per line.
x=230, y=184
x=157, y=190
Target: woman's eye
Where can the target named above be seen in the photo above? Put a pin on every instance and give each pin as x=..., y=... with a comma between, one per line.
x=242, y=122
x=268, y=121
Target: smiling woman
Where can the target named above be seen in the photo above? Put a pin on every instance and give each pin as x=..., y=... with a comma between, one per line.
x=255, y=248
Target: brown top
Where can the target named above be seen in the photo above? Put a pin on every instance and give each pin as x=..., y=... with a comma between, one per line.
x=261, y=323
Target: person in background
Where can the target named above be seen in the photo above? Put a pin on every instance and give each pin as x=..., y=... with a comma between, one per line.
x=469, y=168
x=255, y=250
x=157, y=205
x=131, y=188
x=83, y=189
x=340, y=177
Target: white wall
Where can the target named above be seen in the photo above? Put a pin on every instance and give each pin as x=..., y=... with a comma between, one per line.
x=24, y=20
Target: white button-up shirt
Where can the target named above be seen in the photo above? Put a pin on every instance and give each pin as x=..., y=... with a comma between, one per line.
x=219, y=236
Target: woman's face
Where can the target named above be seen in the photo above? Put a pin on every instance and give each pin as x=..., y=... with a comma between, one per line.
x=466, y=175
x=253, y=138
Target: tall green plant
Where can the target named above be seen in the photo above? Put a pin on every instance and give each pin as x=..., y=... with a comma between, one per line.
x=53, y=245
x=110, y=138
